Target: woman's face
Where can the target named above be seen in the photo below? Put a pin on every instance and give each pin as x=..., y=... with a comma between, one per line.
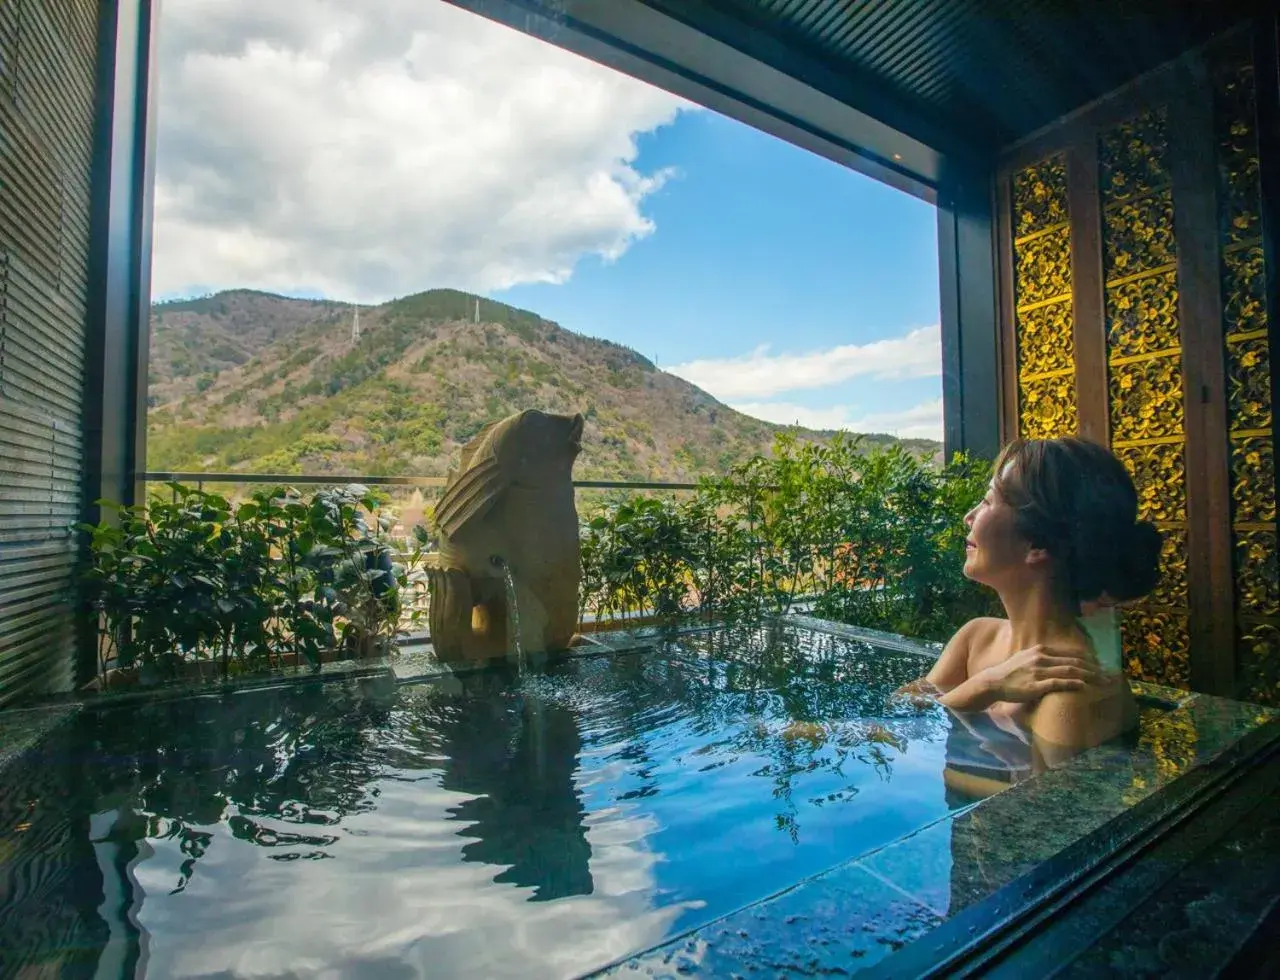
x=995, y=552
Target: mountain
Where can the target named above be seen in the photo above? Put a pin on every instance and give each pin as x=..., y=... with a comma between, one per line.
x=253, y=382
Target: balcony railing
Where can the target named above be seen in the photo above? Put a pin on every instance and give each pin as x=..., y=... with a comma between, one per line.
x=199, y=479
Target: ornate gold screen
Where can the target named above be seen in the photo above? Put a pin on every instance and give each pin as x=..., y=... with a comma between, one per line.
x=1043, y=325
x=1144, y=364
x=1250, y=416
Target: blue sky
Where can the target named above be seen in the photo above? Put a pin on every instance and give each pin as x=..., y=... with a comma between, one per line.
x=365, y=151
x=760, y=244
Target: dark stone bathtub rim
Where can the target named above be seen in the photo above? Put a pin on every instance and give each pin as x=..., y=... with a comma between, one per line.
x=1195, y=903
x=980, y=935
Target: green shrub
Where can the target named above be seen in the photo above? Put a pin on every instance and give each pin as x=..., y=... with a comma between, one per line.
x=870, y=536
x=190, y=577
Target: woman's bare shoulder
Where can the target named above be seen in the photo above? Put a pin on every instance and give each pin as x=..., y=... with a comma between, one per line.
x=982, y=630
x=953, y=665
x=974, y=637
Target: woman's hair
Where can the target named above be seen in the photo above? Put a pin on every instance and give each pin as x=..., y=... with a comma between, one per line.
x=1077, y=501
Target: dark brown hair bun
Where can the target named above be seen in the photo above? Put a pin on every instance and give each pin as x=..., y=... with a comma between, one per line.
x=1077, y=501
x=1139, y=569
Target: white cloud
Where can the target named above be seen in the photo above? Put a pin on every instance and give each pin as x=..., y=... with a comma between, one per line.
x=923, y=421
x=760, y=374
x=365, y=150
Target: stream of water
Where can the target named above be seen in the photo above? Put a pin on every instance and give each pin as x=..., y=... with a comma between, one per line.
x=513, y=617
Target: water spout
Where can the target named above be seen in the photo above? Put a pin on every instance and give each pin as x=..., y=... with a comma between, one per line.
x=513, y=613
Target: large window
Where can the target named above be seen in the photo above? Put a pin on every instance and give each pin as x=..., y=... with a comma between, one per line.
x=380, y=226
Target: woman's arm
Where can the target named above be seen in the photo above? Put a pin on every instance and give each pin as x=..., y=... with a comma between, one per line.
x=1026, y=677
x=977, y=693
x=951, y=667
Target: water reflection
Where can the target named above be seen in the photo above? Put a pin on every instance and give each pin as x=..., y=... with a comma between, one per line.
x=517, y=762
x=494, y=825
x=986, y=754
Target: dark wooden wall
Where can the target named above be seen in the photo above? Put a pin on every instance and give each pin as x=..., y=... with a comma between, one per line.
x=48, y=75
x=1136, y=305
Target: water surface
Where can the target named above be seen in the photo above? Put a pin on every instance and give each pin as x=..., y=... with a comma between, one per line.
x=495, y=825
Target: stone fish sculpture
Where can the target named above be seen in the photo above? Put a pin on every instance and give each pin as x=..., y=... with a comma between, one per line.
x=508, y=512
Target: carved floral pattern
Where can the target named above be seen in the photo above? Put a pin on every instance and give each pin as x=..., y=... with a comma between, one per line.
x=1139, y=236
x=1048, y=407
x=1260, y=662
x=1042, y=267
x=1249, y=384
x=1238, y=170
x=1146, y=399
x=1156, y=646
x=1253, y=480
x=1046, y=339
x=1142, y=316
x=1172, y=588
x=1249, y=405
x=1045, y=334
x=1040, y=196
x=1131, y=157
x=1159, y=472
x=1257, y=572
x=1244, y=285
x=1146, y=394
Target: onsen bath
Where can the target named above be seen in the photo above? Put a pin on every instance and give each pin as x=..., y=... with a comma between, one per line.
x=707, y=801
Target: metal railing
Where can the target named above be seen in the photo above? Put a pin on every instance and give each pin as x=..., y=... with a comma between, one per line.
x=339, y=479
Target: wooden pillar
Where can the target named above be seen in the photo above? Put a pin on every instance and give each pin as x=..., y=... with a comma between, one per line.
x=1088, y=300
x=1193, y=171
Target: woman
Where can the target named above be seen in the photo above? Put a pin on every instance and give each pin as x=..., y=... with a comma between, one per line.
x=1057, y=537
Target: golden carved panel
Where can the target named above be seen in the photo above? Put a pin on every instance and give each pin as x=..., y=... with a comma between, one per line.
x=1142, y=316
x=1139, y=236
x=1146, y=399
x=1257, y=572
x=1248, y=369
x=1253, y=480
x=1238, y=170
x=1249, y=384
x=1042, y=280
x=1042, y=267
x=1156, y=646
x=1244, y=290
x=1172, y=588
x=1046, y=339
x=1160, y=474
x=1260, y=663
x=1040, y=196
x=1048, y=407
x=1145, y=392
x=1131, y=157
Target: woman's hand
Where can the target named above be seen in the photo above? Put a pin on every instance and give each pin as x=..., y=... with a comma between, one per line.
x=1032, y=673
x=1025, y=677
